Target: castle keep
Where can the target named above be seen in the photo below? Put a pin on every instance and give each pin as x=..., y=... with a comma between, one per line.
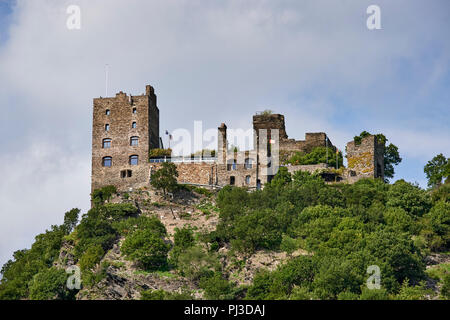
x=126, y=128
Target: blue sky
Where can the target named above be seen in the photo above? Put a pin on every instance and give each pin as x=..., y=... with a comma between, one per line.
x=313, y=61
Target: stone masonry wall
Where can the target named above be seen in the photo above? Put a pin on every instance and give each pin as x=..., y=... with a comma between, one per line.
x=120, y=119
x=366, y=159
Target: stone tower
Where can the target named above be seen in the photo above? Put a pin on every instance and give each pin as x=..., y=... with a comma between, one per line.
x=124, y=130
x=366, y=159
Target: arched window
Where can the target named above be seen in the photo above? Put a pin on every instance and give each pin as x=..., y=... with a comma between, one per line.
x=247, y=179
x=107, y=162
x=134, y=160
x=106, y=143
x=134, y=141
x=133, y=125
x=134, y=110
x=107, y=112
x=248, y=163
x=106, y=127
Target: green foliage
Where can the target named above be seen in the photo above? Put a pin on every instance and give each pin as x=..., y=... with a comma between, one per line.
x=288, y=244
x=128, y=226
x=436, y=170
x=183, y=239
x=91, y=257
x=391, y=158
x=71, y=220
x=374, y=294
x=49, y=284
x=18, y=273
x=266, y=112
x=195, y=263
x=166, y=295
x=100, y=196
x=418, y=292
x=216, y=287
x=409, y=197
x=316, y=156
x=165, y=178
x=299, y=272
x=146, y=248
x=96, y=227
x=441, y=193
x=445, y=289
x=358, y=139
x=159, y=153
x=204, y=153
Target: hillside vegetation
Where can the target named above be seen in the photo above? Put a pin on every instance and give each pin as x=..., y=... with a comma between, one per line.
x=298, y=238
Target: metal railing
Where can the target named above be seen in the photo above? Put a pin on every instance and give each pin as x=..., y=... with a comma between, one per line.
x=183, y=159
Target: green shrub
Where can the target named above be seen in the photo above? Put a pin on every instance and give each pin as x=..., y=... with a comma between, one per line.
x=374, y=294
x=216, y=287
x=91, y=257
x=147, y=249
x=316, y=156
x=99, y=196
x=165, y=178
x=165, y=295
x=195, y=262
x=159, y=153
x=49, y=284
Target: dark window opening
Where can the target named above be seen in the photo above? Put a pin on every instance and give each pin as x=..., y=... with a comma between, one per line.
x=107, y=112
x=232, y=180
x=378, y=171
x=106, y=127
x=107, y=162
x=247, y=180
x=133, y=125
x=134, y=110
x=107, y=143
x=134, y=141
x=232, y=166
x=125, y=174
x=248, y=163
x=134, y=160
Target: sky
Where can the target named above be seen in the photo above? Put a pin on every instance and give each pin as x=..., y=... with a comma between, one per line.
x=314, y=61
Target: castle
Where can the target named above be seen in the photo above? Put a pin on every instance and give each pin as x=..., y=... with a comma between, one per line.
x=126, y=128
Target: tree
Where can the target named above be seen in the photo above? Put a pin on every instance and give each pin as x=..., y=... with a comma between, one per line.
x=165, y=179
x=391, y=158
x=49, y=284
x=100, y=196
x=71, y=220
x=146, y=248
x=436, y=170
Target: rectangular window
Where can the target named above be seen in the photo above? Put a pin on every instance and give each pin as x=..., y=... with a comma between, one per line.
x=232, y=180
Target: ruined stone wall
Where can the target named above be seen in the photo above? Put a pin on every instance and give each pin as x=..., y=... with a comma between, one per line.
x=119, y=113
x=268, y=122
x=366, y=159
